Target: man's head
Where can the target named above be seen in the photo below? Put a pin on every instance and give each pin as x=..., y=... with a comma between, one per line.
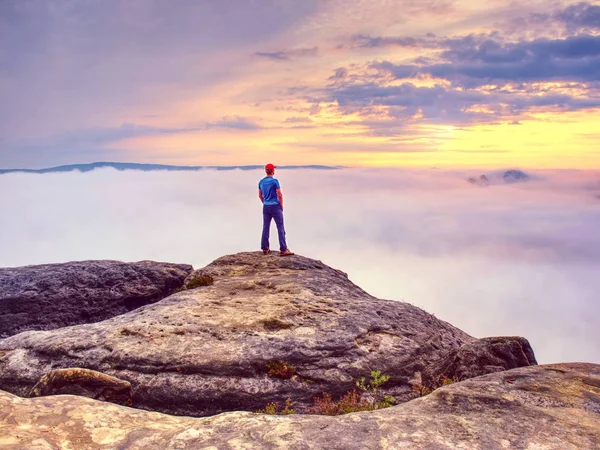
x=270, y=169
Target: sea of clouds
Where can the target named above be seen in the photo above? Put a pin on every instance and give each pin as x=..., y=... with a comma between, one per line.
x=506, y=259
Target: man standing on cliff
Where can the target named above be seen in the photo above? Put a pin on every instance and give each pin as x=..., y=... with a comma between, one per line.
x=269, y=192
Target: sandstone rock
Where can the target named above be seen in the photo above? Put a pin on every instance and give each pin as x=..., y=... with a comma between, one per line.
x=56, y=295
x=84, y=382
x=207, y=350
x=553, y=407
x=479, y=357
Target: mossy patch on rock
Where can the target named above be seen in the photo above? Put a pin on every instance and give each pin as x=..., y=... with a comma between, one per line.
x=199, y=280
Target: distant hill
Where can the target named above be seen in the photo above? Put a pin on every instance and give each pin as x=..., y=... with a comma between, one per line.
x=150, y=167
x=502, y=177
x=515, y=176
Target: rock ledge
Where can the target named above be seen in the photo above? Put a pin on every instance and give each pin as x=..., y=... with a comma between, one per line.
x=553, y=407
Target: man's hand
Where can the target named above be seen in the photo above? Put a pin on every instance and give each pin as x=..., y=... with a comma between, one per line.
x=280, y=198
x=262, y=200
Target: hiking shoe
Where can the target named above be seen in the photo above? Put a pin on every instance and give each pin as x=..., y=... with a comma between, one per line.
x=287, y=252
x=266, y=252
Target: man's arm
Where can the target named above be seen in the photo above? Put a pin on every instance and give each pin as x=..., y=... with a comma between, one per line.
x=280, y=197
x=262, y=200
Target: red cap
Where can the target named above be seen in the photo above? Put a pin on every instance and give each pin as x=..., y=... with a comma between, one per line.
x=270, y=167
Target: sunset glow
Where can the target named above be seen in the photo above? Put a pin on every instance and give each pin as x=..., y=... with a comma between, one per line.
x=432, y=83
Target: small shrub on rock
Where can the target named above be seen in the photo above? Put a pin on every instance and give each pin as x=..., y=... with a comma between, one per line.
x=374, y=383
x=280, y=369
x=273, y=409
x=200, y=280
x=421, y=390
x=270, y=409
x=353, y=401
x=325, y=405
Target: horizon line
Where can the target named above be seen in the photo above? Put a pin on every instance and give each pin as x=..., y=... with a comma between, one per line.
x=86, y=167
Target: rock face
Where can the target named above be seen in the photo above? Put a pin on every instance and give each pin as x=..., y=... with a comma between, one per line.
x=208, y=350
x=480, y=357
x=84, y=382
x=57, y=295
x=553, y=407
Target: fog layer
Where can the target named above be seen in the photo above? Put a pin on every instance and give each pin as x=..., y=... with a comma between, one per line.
x=519, y=259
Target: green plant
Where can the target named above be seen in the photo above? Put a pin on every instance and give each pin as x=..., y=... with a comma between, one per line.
x=423, y=390
x=289, y=408
x=374, y=383
x=270, y=409
x=446, y=381
x=273, y=408
x=352, y=401
x=280, y=369
x=349, y=403
x=387, y=401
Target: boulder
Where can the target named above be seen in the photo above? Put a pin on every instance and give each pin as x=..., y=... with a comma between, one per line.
x=552, y=407
x=84, y=382
x=262, y=329
x=487, y=355
x=51, y=296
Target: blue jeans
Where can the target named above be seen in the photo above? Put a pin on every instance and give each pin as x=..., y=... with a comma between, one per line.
x=273, y=212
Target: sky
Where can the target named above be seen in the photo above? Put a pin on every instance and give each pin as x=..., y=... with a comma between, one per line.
x=505, y=259
x=362, y=83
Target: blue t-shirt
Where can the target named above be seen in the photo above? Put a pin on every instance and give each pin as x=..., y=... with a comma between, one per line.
x=268, y=186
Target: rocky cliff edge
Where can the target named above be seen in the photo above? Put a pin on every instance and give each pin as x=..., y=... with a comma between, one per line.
x=264, y=329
